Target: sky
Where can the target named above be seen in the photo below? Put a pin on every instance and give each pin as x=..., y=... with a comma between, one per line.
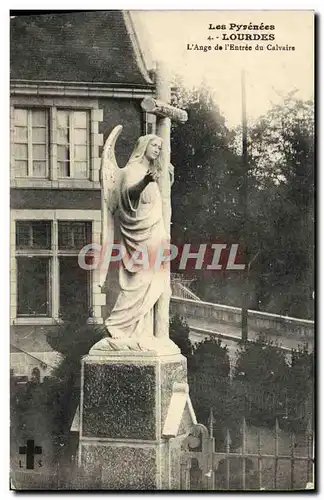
x=270, y=74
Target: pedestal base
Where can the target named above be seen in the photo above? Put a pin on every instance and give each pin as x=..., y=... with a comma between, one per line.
x=134, y=412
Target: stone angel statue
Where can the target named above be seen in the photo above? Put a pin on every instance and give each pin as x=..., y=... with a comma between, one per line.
x=133, y=196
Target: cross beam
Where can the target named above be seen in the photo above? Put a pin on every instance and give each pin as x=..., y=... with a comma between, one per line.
x=164, y=110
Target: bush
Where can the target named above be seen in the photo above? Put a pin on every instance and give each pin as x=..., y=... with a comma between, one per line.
x=268, y=387
x=74, y=337
x=300, y=390
x=301, y=372
x=210, y=356
x=209, y=384
x=261, y=362
x=179, y=333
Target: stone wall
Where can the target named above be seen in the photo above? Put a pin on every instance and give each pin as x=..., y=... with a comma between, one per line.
x=260, y=321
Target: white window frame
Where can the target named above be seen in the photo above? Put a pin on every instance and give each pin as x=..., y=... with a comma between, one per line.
x=91, y=106
x=32, y=253
x=149, y=123
x=71, y=143
x=97, y=299
x=30, y=142
x=52, y=143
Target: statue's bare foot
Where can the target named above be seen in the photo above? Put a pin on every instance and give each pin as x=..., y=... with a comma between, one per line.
x=158, y=346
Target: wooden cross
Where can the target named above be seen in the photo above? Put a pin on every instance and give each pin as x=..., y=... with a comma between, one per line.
x=161, y=108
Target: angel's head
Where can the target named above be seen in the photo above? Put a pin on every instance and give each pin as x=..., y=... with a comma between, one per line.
x=147, y=147
x=153, y=148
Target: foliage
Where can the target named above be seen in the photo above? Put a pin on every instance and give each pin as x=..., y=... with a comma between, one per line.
x=261, y=361
x=302, y=367
x=212, y=357
x=277, y=230
x=209, y=381
x=264, y=386
x=74, y=336
x=47, y=409
x=206, y=174
x=208, y=370
x=179, y=334
x=267, y=386
x=301, y=378
x=281, y=211
x=73, y=339
x=43, y=411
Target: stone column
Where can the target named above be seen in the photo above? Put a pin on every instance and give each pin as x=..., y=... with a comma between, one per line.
x=163, y=129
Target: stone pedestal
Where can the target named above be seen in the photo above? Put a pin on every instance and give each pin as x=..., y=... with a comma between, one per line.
x=134, y=412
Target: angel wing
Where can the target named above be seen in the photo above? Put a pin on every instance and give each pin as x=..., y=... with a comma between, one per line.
x=110, y=178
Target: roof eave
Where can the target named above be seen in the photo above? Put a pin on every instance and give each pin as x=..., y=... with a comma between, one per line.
x=139, y=55
x=80, y=89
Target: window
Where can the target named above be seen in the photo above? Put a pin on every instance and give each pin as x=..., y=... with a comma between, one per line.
x=73, y=144
x=35, y=142
x=50, y=282
x=149, y=123
x=74, y=281
x=31, y=144
x=74, y=287
x=33, y=286
x=35, y=234
x=73, y=235
x=33, y=239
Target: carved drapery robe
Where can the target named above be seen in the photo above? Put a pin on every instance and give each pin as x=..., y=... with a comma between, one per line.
x=143, y=235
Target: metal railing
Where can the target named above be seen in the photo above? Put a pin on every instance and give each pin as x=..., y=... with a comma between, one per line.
x=203, y=468
x=180, y=287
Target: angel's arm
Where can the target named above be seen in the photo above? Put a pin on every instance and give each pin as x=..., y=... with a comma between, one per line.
x=136, y=190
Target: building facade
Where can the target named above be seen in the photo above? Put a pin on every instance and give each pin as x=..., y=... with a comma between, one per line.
x=73, y=78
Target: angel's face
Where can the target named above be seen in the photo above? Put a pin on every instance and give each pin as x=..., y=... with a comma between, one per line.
x=153, y=149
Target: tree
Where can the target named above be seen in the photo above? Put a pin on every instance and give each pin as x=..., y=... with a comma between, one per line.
x=281, y=207
x=206, y=190
x=206, y=171
x=277, y=232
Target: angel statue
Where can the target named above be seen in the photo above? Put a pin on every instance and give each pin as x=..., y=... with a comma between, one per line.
x=133, y=196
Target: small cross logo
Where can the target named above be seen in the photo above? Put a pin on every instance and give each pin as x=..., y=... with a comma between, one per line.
x=30, y=450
